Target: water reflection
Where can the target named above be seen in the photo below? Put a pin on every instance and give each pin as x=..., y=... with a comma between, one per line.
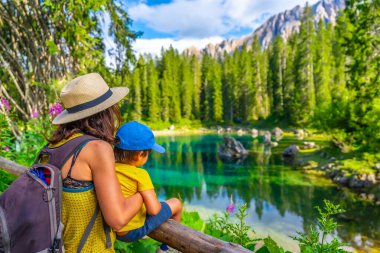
x=280, y=199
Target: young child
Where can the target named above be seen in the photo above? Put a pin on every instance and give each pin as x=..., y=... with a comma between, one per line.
x=134, y=142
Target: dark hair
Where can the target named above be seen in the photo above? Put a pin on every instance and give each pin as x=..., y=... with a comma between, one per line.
x=102, y=125
x=122, y=155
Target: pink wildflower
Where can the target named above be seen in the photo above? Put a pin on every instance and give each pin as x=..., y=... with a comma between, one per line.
x=55, y=109
x=34, y=114
x=230, y=208
x=5, y=103
x=6, y=148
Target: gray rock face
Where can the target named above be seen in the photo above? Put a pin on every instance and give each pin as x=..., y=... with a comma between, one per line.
x=291, y=151
x=231, y=149
x=283, y=24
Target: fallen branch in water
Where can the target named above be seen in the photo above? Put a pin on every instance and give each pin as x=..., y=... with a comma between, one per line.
x=172, y=233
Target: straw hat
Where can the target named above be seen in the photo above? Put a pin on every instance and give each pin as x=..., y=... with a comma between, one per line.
x=87, y=95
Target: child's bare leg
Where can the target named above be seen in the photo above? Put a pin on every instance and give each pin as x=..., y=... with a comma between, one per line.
x=176, y=207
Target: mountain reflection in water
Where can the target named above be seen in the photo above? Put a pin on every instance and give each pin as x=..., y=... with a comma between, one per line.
x=281, y=200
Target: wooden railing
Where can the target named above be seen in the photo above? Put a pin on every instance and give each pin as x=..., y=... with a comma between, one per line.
x=172, y=233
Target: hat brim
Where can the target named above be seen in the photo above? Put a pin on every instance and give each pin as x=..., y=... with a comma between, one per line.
x=118, y=94
x=158, y=148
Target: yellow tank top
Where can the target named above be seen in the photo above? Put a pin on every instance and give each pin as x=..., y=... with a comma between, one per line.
x=78, y=206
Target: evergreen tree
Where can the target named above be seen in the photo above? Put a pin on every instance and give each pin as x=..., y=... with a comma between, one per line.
x=339, y=93
x=143, y=85
x=205, y=87
x=323, y=66
x=245, y=84
x=304, y=95
x=135, y=111
x=289, y=80
x=196, y=74
x=363, y=51
x=260, y=99
x=187, y=88
x=165, y=85
x=229, y=81
x=153, y=95
x=217, y=98
x=276, y=73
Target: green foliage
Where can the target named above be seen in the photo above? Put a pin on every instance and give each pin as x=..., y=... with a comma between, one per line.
x=315, y=240
x=270, y=246
x=145, y=245
x=238, y=232
x=192, y=220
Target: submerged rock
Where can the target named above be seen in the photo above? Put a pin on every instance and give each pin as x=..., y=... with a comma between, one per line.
x=231, y=149
x=291, y=151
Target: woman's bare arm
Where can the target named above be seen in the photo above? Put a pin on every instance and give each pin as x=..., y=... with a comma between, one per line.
x=153, y=206
x=116, y=209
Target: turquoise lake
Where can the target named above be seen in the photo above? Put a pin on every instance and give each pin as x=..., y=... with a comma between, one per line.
x=281, y=200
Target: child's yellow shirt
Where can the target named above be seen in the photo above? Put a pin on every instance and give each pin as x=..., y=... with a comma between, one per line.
x=133, y=180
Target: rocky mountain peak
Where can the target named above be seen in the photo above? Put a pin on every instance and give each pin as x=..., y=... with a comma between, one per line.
x=284, y=23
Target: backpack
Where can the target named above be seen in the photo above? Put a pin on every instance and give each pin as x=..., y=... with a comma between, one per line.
x=30, y=209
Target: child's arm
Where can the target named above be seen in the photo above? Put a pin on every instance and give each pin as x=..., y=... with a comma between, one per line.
x=153, y=206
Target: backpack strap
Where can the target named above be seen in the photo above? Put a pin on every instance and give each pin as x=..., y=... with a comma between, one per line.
x=107, y=231
x=88, y=229
x=58, y=156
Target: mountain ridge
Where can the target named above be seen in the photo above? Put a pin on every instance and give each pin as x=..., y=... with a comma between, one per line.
x=283, y=23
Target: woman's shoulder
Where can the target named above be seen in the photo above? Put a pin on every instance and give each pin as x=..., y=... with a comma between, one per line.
x=98, y=146
x=98, y=150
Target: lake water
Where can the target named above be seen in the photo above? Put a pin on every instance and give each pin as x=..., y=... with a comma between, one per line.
x=281, y=200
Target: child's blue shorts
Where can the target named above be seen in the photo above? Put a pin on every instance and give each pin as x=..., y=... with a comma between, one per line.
x=151, y=223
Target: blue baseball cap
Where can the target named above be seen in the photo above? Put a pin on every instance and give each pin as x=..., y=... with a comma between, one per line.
x=136, y=136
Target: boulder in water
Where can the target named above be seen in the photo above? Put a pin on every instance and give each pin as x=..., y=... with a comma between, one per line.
x=309, y=145
x=231, y=149
x=291, y=151
x=299, y=132
x=267, y=138
x=277, y=132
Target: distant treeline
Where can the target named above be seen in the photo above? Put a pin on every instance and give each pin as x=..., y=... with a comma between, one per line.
x=327, y=77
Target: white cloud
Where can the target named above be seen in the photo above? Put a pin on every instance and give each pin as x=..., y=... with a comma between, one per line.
x=207, y=18
x=153, y=46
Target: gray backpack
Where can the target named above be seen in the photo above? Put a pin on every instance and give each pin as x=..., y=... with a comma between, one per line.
x=30, y=209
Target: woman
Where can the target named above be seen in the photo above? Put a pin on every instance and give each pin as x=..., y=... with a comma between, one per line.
x=89, y=179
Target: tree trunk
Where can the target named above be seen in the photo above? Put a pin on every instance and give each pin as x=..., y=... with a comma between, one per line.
x=188, y=240
x=11, y=167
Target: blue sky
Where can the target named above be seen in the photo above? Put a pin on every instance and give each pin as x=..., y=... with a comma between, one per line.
x=186, y=23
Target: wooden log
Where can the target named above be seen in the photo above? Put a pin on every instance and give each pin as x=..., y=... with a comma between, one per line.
x=11, y=167
x=172, y=233
x=188, y=240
